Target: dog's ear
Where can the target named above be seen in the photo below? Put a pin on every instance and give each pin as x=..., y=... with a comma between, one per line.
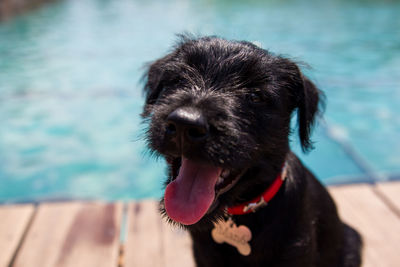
x=309, y=101
x=153, y=83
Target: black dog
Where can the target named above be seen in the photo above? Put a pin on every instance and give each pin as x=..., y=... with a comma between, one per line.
x=219, y=112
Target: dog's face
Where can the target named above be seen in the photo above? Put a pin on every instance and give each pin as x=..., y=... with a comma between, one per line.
x=219, y=112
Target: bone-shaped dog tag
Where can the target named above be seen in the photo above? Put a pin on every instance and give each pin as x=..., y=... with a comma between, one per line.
x=239, y=237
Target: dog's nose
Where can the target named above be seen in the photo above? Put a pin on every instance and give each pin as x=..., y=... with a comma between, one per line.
x=188, y=123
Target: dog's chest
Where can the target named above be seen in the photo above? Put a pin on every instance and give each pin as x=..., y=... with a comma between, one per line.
x=236, y=244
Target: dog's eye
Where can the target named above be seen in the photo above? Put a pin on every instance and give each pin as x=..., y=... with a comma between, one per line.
x=255, y=97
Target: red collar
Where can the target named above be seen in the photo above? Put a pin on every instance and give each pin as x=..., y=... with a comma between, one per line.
x=260, y=201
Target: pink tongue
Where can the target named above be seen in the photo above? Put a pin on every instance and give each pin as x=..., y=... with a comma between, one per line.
x=191, y=194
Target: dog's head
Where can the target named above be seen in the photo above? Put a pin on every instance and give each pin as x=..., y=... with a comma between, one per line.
x=219, y=112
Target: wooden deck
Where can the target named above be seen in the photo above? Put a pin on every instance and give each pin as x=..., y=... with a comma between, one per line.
x=88, y=234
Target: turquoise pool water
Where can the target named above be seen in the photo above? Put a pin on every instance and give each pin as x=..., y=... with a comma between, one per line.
x=70, y=95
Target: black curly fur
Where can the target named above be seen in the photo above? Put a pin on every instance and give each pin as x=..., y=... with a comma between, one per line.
x=248, y=96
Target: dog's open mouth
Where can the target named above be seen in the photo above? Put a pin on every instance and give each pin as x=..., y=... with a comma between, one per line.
x=194, y=189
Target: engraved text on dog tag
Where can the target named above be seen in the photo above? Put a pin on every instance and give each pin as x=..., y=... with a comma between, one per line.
x=239, y=237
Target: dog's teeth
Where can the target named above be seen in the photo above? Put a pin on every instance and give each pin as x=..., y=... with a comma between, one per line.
x=225, y=173
x=220, y=180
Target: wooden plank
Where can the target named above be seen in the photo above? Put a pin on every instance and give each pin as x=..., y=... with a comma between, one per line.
x=177, y=247
x=150, y=241
x=391, y=190
x=72, y=234
x=13, y=223
x=143, y=246
x=380, y=227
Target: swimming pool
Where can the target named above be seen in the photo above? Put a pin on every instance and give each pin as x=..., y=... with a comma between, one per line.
x=70, y=93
